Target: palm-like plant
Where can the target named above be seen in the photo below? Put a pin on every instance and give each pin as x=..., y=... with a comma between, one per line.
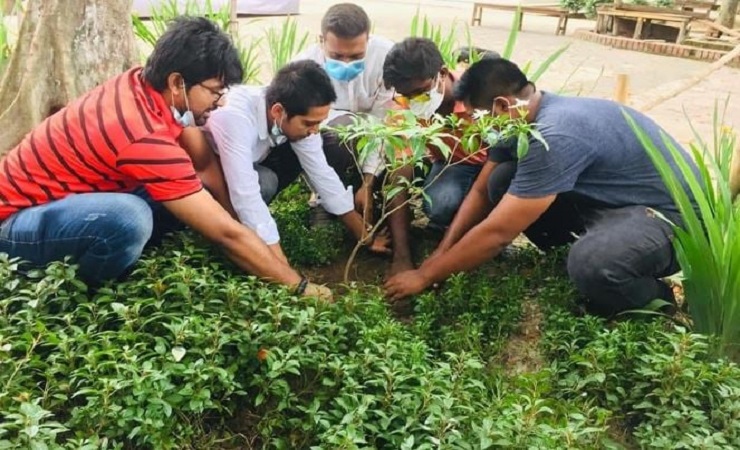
x=708, y=242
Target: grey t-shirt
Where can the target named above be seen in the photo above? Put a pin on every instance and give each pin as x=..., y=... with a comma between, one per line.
x=592, y=152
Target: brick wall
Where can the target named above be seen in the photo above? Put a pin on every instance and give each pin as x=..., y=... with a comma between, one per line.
x=656, y=47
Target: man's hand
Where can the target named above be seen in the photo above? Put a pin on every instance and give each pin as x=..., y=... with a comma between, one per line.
x=277, y=250
x=319, y=291
x=381, y=243
x=364, y=203
x=405, y=284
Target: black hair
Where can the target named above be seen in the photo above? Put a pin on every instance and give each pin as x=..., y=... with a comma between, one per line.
x=345, y=21
x=463, y=54
x=195, y=48
x=487, y=79
x=411, y=59
x=299, y=86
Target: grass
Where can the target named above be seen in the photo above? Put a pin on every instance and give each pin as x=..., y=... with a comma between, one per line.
x=708, y=242
x=284, y=42
x=149, y=31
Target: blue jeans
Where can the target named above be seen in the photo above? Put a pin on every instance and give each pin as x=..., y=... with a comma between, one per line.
x=104, y=233
x=446, y=193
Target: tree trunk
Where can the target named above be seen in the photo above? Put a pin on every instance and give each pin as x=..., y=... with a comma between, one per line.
x=727, y=13
x=8, y=7
x=64, y=48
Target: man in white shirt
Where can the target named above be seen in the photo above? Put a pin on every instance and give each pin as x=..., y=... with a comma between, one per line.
x=354, y=61
x=265, y=137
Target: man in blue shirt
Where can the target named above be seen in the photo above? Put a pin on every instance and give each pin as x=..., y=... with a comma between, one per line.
x=595, y=185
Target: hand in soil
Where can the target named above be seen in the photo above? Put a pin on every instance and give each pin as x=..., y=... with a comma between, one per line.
x=405, y=284
x=381, y=243
x=320, y=292
x=399, y=265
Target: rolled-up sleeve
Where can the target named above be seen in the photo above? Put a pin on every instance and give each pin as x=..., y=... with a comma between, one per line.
x=335, y=198
x=235, y=138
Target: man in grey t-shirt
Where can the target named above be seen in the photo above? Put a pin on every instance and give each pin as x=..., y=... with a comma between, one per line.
x=595, y=181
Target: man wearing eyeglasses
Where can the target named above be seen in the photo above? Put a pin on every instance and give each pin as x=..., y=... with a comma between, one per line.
x=414, y=68
x=102, y=177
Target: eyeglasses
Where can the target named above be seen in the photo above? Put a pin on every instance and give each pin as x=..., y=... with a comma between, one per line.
x=218, y=93
x=405, y=100
x=419, y=97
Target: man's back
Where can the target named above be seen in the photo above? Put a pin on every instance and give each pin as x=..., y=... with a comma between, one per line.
x=101, y=142
x=594, y=152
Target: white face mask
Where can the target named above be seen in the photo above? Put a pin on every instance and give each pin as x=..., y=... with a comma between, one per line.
x=276, y=133
x=187, y=119
x=425, y=109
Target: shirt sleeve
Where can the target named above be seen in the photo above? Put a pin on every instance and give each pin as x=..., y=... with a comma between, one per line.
x=235, y=140
x=503, y=151
x=383, y=101
x=373, y=162
x=335, y=198
x=545, y=172
x=163, y=167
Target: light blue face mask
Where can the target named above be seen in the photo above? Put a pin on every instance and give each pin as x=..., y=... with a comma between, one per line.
x=276, y=134
x=342, y=71
x=184, y=119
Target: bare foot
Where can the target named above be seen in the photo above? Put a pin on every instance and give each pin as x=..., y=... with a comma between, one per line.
x=399, y=265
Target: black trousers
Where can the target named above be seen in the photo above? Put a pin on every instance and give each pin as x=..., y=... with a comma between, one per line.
x=283, y=162
x=619, y=254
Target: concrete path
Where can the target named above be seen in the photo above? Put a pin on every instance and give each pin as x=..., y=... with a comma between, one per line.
x=585, y=69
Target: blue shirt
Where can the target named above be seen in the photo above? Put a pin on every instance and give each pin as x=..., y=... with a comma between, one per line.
x=592, y=152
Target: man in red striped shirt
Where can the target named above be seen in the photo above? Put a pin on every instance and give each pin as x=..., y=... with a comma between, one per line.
x=91, y=180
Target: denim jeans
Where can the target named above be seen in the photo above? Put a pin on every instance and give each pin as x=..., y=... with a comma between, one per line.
x=618, y=253
x=447, y=192
x=104, y=233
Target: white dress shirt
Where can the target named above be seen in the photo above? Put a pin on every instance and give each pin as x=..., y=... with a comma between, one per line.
x=364, y=94
x=240, y=134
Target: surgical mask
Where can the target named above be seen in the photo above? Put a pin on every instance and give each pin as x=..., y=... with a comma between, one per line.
x=342, y=71
x=431, y=102
x=187, y=119
x=276, y=133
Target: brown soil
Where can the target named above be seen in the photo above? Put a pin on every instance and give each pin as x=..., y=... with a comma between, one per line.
x=522, y=354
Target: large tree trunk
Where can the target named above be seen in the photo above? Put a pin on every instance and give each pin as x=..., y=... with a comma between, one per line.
x=727, y=13
x=64, y=48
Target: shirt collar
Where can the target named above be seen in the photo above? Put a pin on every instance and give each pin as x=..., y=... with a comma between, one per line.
x=262, y=131
x=160, y=105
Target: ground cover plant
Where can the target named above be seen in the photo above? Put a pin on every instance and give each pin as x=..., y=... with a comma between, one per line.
x=190, y=354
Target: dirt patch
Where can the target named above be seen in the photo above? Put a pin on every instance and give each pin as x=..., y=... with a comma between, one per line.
x=521, y=354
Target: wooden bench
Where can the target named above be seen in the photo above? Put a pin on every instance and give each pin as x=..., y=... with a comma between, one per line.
x=551, y=10
x=606, y=12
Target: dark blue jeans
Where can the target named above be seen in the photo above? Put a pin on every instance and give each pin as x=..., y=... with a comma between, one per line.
x=447, y=191
x=104, y=233
x=618, y=254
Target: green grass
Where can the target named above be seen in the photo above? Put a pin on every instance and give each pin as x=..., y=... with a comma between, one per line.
x=284, y=42
x=708, y=242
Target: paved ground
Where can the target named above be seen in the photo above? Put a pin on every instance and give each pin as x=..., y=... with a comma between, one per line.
x=586, y=68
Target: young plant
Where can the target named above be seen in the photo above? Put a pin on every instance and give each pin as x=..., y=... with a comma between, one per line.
x=403, y=141
x=708, y=242
x=284, y=43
